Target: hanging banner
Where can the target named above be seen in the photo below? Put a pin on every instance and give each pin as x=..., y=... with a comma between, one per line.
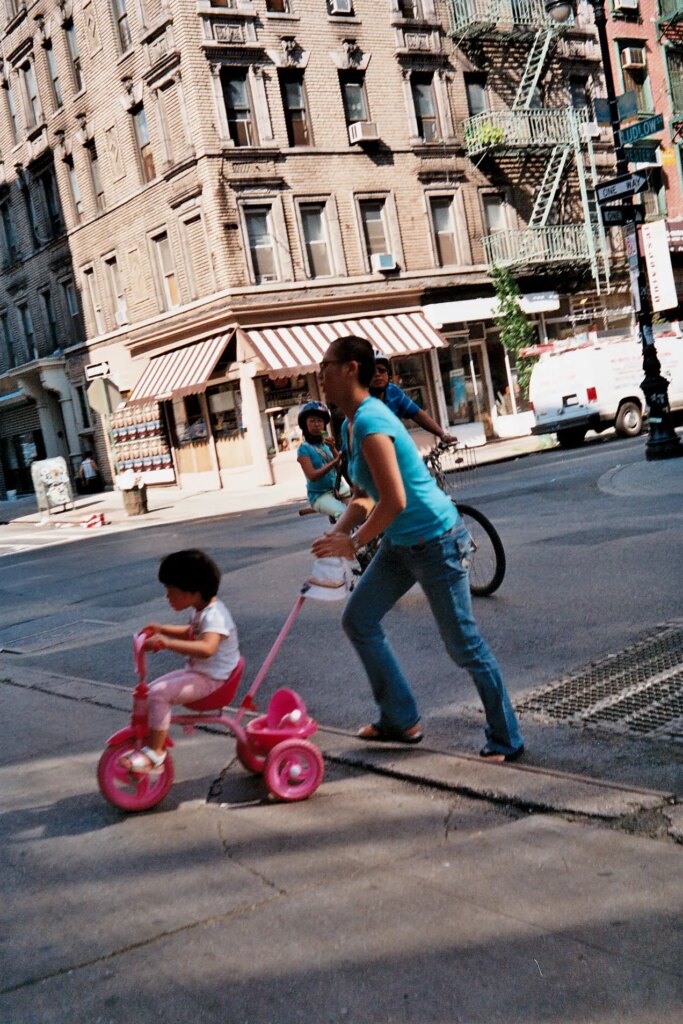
x=659, y=270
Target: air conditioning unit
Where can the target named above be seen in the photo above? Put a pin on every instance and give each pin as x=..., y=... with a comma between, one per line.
x=363, y=131
x=341, y=6
x=633, y=57
x=382, y=261
x=626, y=5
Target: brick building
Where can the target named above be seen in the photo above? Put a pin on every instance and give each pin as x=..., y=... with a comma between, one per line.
x=195, y=197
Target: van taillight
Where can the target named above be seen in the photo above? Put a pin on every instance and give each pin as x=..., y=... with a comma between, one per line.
x=592, y=394
x=531, y=406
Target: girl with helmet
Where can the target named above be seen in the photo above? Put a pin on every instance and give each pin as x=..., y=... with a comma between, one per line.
x=319, y=460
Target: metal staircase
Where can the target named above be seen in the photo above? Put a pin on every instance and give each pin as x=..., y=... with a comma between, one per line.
x=588, y=180
x=534, y=68
x=549, y=186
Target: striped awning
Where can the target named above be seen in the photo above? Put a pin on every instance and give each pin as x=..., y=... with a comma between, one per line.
x=301, y=346
x=184, y=371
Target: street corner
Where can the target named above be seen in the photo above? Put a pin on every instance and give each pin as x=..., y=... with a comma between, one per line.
x=644, y=479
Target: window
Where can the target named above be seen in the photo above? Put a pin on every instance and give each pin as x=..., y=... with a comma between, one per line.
x=71, y=302
x=494, y=213
x=74, y=56
x=12, y=111
x=83, y=406
x=294, y=101
x=372, y=215
x=443, y=226
x=477, y=98
x=9, y=233
x=634, y=73
x=653, y=198
x=258, y=220
x=94, y=299
x=167, y=274
x=95, y=175
x=8, y=340
x=145, y=155
x=354, y=96
x=53, y=208
x=278, y=6
x=316, y=242
x=578, y=93
x=27, y=328
x=117, y=295
x=410, y=9
x=238, y=108
x=34, y=113
x=122, y=24
x=74, y=187
x=50, y=318
x=674, y=61
x=57, y=97
x=425, y=110
x=30, y=209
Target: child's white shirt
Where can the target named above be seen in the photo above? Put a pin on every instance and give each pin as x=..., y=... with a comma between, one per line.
x=215, y=618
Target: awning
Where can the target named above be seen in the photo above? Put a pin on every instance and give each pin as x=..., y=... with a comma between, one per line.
x=184, y=371
x=467, y=310
x=302, y=346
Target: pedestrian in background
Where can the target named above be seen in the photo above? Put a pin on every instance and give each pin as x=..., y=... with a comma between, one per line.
x=89, y=477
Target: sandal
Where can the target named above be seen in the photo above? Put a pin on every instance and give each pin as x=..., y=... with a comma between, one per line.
x=496, y=757
x=377, y=733
x=142, y=762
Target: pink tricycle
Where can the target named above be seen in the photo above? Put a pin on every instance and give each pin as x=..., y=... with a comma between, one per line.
x=274, y=745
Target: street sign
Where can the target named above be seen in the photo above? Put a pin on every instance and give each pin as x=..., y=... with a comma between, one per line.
x=641, y=130
x=601, y=111
x=618, y=216
x=627, y=105
x=642, y=155
x=94, y=370
x=618, y=188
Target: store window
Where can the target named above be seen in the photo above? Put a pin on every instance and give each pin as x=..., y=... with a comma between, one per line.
x=283, y=397
x=190, y=424
x=409, y=373
x=225, y=410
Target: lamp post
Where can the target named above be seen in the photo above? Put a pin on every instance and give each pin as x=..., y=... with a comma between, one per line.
x=662, y=443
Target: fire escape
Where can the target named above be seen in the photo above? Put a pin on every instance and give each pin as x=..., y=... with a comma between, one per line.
x=559, y=136
x=670, y=25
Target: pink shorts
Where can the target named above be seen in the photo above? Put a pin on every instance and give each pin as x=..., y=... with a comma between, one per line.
x=179, y=687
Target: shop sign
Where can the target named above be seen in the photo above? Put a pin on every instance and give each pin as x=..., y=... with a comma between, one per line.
x=659, y=270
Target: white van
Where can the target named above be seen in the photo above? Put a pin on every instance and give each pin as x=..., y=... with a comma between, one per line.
x=596, y=385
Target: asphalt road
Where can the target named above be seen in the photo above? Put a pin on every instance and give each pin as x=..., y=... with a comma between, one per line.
x=589, y=572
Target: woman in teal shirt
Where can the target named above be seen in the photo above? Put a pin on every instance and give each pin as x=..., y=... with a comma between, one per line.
x=423, y=541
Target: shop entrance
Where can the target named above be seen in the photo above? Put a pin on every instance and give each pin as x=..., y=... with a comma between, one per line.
x=17, y=453
x=464, y=371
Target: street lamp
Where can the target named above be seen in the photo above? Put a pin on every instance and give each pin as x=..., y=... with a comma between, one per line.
x=662, y=443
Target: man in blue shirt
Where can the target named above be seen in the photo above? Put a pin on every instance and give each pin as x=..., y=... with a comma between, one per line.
x=397, y=400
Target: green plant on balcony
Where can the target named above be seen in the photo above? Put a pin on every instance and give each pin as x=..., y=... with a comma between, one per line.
x=485, y=135
x=516, y=331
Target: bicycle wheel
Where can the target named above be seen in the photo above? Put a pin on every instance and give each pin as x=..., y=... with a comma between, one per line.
x=487, y=566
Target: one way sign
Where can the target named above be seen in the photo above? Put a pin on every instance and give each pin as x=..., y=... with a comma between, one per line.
x=618, y=188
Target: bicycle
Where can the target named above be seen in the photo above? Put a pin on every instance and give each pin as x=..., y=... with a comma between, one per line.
x=487, y=559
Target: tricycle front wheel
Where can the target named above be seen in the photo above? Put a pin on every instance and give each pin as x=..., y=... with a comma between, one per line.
x=127, y=790
x=294, y=770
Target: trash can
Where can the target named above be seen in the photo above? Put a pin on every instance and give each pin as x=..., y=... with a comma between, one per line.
x=135, y=500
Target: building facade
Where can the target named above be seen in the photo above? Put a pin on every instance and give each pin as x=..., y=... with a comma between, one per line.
x=196, y=197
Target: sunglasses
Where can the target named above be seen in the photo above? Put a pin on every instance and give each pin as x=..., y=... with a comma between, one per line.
x=328, y=362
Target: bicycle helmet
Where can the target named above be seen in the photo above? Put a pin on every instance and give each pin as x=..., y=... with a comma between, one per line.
x=381, y=359
x=313, y=409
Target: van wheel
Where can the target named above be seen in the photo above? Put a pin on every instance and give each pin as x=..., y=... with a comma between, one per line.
x=629, y=421
x=572, y=437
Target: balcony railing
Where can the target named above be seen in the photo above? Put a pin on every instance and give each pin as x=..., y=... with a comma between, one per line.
x=515, y=129
x=470, y=16
x=557, y=243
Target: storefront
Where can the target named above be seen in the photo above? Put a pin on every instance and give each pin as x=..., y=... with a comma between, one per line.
x=21, y=441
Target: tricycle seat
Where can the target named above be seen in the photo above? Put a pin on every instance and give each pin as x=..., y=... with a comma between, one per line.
x=223, y=695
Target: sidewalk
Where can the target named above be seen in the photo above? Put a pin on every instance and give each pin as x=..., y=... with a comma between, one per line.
x=170, y=504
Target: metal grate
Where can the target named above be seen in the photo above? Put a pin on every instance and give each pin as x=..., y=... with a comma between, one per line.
x=639, y=690
x=51, y=637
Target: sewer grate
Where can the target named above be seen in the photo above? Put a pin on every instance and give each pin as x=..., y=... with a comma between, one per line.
x=639, y=690
x=51, y=637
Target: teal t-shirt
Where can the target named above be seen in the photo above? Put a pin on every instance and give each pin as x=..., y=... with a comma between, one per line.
x=428, y=512
x=319, y=454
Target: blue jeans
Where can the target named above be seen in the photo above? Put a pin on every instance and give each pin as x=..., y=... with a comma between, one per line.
x=440, y=566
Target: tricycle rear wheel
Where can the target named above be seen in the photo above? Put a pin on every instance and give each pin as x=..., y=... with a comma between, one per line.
x=294, y=770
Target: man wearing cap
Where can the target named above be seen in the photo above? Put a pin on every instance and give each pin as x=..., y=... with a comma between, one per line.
x=395, y=398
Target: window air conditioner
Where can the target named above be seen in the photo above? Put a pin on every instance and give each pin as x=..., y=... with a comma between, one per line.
x=382, y=261
x=626, y=5
x=363, y=131
x=633, y=57
x=341, y=6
